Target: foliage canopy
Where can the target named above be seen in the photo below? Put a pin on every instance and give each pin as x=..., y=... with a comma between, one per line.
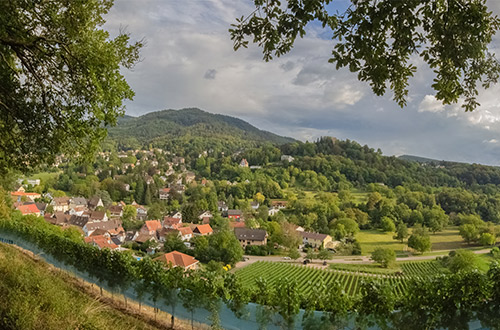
x=379, y=41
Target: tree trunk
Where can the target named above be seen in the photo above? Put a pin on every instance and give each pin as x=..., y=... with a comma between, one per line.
x=140, y=304
x=125, y=297
x=172, y=321
x=101, y=290
x=192, y=320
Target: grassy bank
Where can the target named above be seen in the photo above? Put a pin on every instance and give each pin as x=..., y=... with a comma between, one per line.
x=33, y=296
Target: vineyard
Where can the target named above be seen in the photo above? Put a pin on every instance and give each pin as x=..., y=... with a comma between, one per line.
x=272, y=271
x=421, y=268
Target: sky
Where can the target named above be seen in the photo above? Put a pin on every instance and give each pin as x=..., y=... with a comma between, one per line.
x=189, y=61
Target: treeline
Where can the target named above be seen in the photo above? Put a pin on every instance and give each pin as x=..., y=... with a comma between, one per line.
x=445, y=301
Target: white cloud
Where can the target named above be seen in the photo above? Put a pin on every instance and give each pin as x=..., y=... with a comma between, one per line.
x=430, y=104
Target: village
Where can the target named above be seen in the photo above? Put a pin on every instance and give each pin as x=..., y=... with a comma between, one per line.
x=102, y=225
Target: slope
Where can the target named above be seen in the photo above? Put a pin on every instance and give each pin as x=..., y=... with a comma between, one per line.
x=35, y=297
x=170, y=128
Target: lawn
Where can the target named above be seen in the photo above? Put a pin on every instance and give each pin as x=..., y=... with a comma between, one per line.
x=359, y=195
x=448, y=239
x=44, y=176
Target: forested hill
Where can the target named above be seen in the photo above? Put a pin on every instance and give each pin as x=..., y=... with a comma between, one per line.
x=178, y=128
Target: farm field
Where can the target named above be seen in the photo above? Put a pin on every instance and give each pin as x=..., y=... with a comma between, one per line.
x=448, y=239
x=303, y=275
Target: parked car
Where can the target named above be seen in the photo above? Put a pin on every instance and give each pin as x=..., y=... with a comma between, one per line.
x=245, y=259
x=287, y=258
x=306, y=261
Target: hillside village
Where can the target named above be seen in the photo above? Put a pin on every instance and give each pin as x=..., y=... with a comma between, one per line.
x=102, y=223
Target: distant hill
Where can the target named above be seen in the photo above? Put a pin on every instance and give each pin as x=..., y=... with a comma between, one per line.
x=419, y=159
x=170, y=127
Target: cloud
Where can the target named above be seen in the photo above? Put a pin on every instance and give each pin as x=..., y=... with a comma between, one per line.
x=210, y=74
x=430, y=104
x=299, y=94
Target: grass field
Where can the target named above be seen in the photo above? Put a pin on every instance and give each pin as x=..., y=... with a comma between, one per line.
x=44, y=176
x=448, y=239
x=35, y=297
x=359, y=195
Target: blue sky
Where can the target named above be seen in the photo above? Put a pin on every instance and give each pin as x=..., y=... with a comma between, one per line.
x=189, y=62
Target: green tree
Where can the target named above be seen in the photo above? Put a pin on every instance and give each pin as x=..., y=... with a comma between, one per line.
x=324, y=254
x=487, y=239
x=287, y=301
x=462, y=260
x=387, y=224
x=378, y=39
x=294, y=254
x=310, y=254
x=420, y=239
x=60, y=73
x=469, y=232
x=385, y=257
x=401, y=232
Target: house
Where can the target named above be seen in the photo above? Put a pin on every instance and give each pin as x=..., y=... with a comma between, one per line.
x=29, y=209
x=77, y=202
x=254, y=205
x=150, y=227
x=177, y=215
x=316, y=240
x=164, y=193
x=143, y=238
x=206, y=214
x=112, y=226
x=234, y=214
x=279, y=204
x=58, y=218
x=247, y=236
x=243, y=163
x=273, y=211
x=190, y=176
x=186, y=233
x=164, y=232
x=60, y=204
x=20, y=195
x=203, y=230
x=237, y=224
x=221, y=206
x=95, y=202
x=79, y=221
x=287, y=158
x=142, y=213
x=178, y=259
x=115, y=210
x=102, y=242
x=77, y=210
x=98, y=216
x=172, y=223
x=41, y=207
x=204, y=182
x=178, y=160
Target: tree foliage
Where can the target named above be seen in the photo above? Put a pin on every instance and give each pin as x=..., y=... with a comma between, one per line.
x=60, y=79
x=379, y=40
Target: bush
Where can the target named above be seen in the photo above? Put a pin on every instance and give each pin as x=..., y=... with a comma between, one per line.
x=487, y=239
x=256, y=250
x=495, y=252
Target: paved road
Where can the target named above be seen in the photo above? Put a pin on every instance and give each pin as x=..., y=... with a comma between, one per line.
x=341, y=260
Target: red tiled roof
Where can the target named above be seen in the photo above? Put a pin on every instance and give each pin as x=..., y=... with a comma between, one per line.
x=176, y=258
x=203, y=229
x=101, y=241
x=235, y=224
x=153, y=225
x=28, y=209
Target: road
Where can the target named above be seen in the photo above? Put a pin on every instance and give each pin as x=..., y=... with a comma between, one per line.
x=340, y=260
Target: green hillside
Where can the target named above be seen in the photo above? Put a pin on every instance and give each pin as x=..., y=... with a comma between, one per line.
x=178, y=128
x=35, y=297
